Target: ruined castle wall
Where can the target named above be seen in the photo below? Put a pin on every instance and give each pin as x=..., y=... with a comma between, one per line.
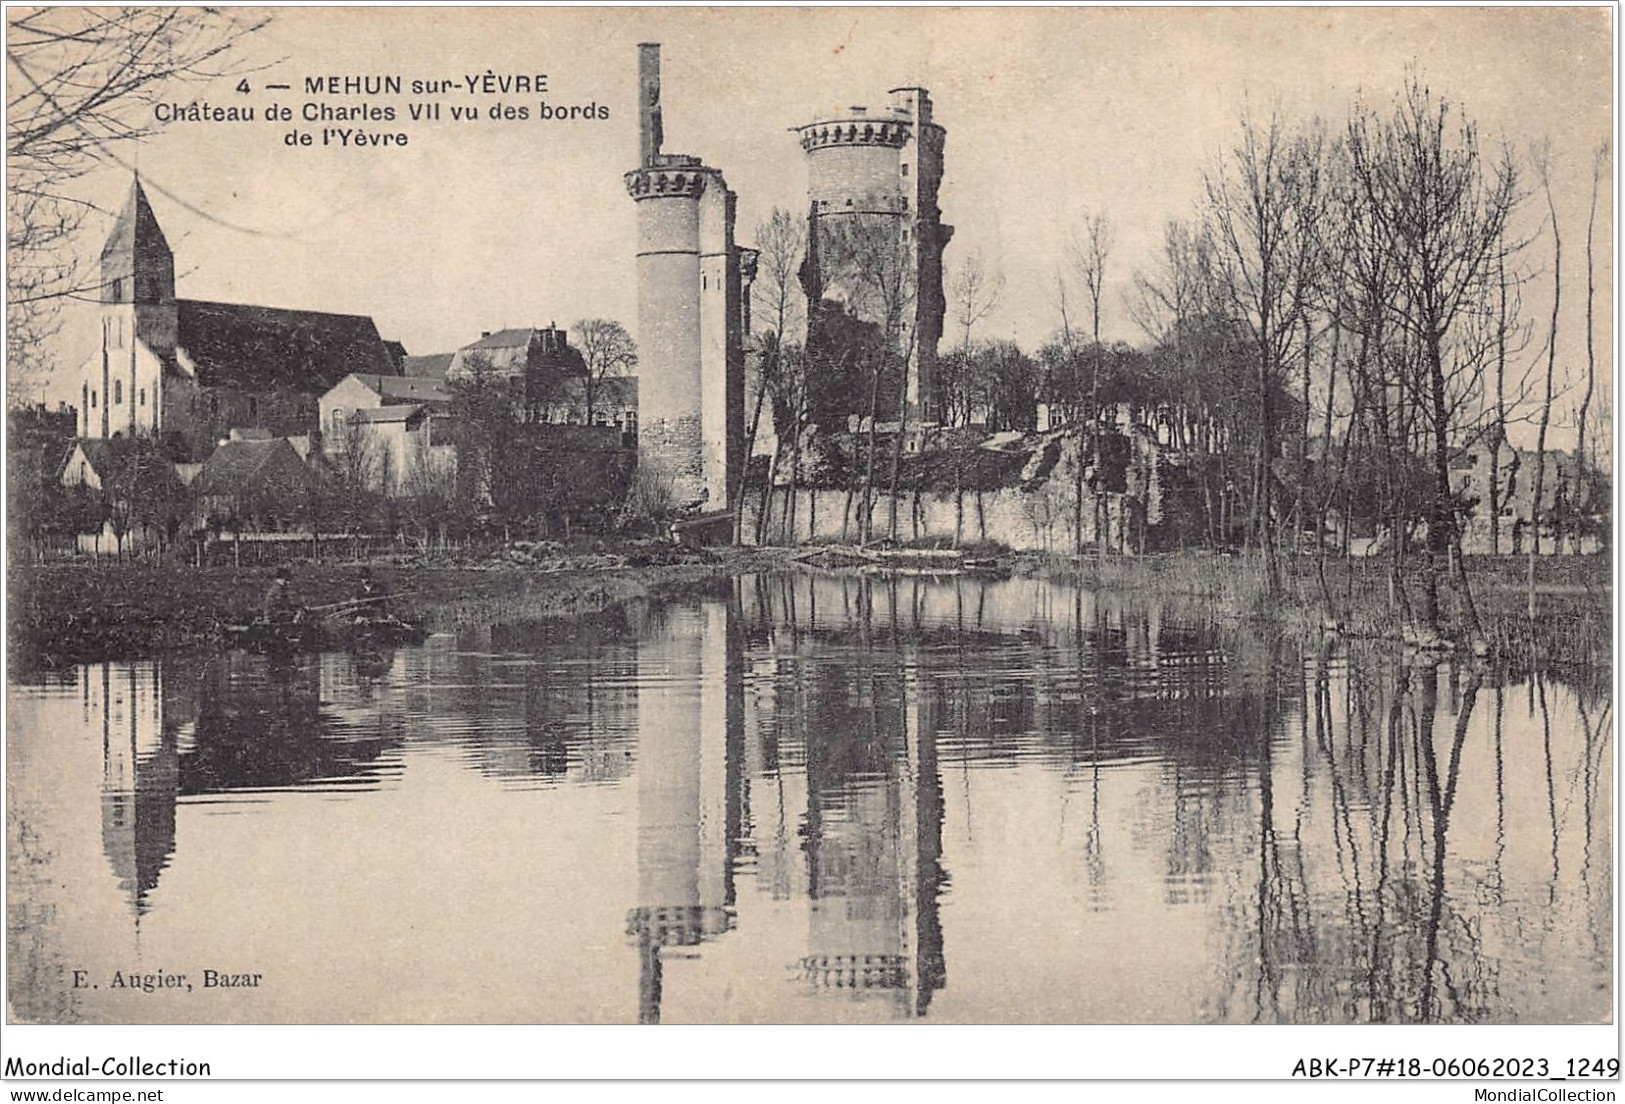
x=1024, y=521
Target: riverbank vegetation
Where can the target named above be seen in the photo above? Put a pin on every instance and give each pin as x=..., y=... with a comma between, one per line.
x=74, y=612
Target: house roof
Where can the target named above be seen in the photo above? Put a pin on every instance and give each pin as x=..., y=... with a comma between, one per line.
x=244, y=466
x=415, y=388
x=104, y=453
x=396, y=351
x=265, y=348
x=115, y=456
x=503, y=339
x=400, y=413
x=432, y=366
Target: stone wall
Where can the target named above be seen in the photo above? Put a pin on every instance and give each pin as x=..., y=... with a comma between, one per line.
x=1025, y=521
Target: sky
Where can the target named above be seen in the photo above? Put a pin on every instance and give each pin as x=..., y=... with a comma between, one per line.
x=1051, y=114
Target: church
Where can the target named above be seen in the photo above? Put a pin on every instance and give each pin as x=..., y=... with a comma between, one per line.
x=187, y=371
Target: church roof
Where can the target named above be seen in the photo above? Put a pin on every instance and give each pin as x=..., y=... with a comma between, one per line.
x=136, y=223
x=268, y=348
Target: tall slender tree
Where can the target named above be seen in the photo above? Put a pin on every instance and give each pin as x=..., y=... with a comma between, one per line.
x=1439, y=205
x=1264, y=204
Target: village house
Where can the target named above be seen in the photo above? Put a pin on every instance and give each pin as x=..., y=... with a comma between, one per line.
x=534, y=360
x=553, y=373
x=142, y=493
x=1566, y=500
x=254, y=483
x=186, y=371
x=392, y=434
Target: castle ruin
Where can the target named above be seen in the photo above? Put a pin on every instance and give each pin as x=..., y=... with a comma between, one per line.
x=872, y=181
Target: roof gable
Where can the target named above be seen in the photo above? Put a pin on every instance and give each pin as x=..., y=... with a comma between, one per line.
x=243, y=467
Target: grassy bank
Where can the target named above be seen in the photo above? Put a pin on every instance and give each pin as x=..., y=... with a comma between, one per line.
x=1572, y=627
x=82, y=612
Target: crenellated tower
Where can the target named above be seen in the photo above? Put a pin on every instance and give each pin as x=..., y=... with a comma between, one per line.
x=692, y=285
x=872, y=183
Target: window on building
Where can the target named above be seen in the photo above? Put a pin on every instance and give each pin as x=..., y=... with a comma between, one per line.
x=118, y=291
x=141, y=396
x=905, y=168
x=93, y=400
x=118, y=392
x=338, y=422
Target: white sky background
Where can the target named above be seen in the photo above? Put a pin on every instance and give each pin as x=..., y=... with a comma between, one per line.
x=1049, y=112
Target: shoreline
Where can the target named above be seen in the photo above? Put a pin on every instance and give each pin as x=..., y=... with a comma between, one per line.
x=78, y=612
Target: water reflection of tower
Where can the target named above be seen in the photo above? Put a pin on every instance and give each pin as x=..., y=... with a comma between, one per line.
x=140, y=772
x=874, y=848
x=690, y=737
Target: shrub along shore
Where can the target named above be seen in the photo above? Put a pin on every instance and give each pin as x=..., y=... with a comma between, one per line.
x=82, y=612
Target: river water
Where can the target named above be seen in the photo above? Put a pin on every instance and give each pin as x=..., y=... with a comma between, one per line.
x=812, y=798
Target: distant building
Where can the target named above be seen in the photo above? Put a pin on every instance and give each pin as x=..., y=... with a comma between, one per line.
x=391, y=433
x=187, y=370
x=537, y=360
x=433, y=366
x=135, y=485
x=1565, y=499
x=253, y=484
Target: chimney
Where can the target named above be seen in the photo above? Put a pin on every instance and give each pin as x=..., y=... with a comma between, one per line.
x=650, y=134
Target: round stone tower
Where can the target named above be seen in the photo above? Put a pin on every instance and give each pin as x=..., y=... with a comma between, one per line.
x=873, y=176
x=690, y=323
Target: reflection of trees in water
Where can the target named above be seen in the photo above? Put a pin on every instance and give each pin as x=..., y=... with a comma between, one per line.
x=1364, y=831
x=544, y=700
x=260, y=725
x=1369, y=903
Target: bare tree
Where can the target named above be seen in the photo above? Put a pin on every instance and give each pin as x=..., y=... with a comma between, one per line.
x=1440, y=210
x=1541, y=156
x=81, y=82
x=875, y=266
x=781, y=248
x=1087, y=253
x=1264, y=205
x=1599, y=167
x=972, y=294
x=608, y=350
